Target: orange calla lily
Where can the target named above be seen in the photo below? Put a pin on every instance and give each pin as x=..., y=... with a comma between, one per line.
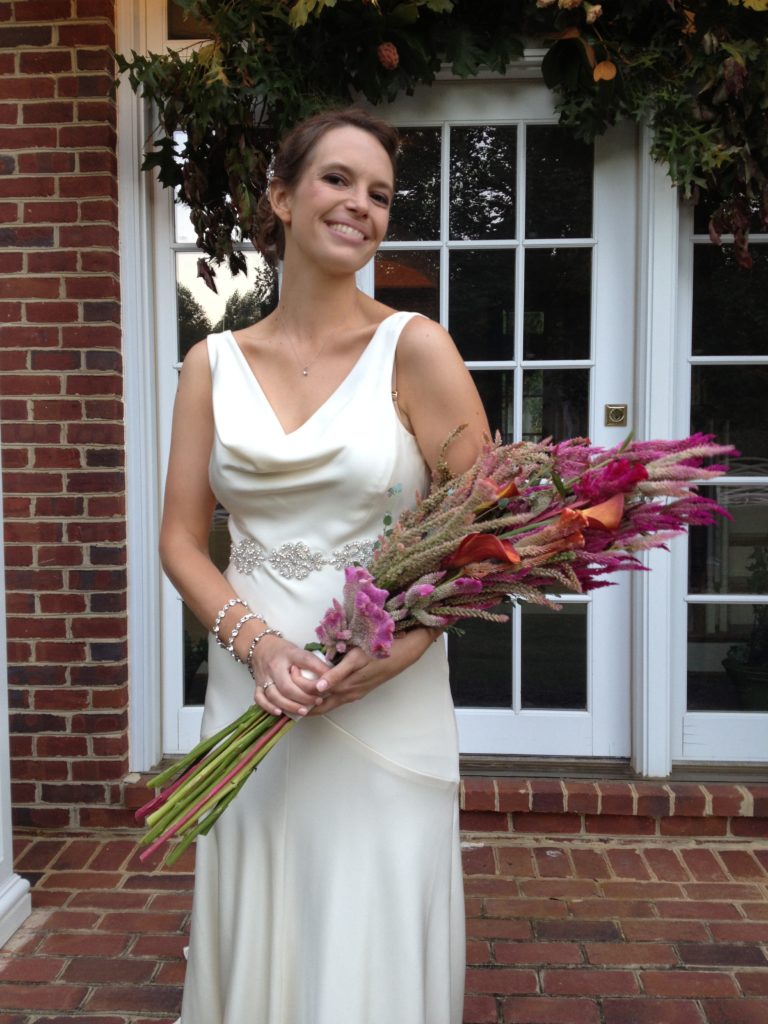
x=481, y=547
x=607, y=515
x=509, y=490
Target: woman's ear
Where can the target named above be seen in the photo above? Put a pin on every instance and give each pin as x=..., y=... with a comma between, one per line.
x=280, y=200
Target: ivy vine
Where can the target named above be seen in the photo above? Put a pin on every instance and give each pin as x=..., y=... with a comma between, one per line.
x=695, y=70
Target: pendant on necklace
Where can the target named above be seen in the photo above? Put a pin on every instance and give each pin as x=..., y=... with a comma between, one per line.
x=305, y=372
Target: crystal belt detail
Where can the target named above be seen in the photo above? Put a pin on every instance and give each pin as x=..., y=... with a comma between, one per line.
x=296, y=561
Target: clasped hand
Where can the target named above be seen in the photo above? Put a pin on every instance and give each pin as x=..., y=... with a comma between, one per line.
x=299, y=683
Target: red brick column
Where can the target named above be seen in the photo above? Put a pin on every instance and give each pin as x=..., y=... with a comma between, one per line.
x=61, y=411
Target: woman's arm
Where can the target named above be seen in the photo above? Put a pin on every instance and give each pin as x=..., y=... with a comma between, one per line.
x=187, y=511
x=437, y=394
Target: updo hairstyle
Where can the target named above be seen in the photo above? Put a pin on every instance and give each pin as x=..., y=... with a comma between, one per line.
x=292, y=156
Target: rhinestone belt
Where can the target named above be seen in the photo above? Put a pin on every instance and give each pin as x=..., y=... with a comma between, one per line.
x=297, y=561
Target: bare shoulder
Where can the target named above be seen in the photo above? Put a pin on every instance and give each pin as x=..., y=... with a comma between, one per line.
x=423, y=340
x=196, y=368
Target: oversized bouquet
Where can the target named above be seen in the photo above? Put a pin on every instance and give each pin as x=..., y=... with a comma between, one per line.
x=525, y=521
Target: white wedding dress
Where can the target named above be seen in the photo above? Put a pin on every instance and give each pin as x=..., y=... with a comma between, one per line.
x=330, y=891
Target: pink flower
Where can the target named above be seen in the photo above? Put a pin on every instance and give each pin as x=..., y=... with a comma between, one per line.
x=361, y=621
x=619, y=476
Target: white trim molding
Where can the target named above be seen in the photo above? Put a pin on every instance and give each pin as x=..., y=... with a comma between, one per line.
x=15, y=900
x=656, y=377
x=143, y=499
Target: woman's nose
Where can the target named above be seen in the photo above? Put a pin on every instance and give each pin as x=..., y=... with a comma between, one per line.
x=358, y=200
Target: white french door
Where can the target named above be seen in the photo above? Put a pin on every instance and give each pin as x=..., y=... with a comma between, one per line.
x=720, y=628
x=521, y=241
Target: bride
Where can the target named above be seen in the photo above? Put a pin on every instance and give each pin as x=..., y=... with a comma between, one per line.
x=330, y=891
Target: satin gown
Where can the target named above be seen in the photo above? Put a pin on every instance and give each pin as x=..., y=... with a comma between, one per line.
x=330, y=891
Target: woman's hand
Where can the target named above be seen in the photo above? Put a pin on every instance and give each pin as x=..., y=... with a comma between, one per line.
x=281, y=689
x=358, y=673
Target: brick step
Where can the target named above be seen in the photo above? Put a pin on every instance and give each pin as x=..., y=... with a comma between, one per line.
x=503, y=805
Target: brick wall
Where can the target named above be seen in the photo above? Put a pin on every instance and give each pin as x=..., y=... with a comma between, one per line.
x=61, y=412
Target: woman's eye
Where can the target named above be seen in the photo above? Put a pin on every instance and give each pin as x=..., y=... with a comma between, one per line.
x=334, y=179
x=380, y=198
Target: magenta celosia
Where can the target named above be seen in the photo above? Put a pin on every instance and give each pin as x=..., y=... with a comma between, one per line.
x=616, y=477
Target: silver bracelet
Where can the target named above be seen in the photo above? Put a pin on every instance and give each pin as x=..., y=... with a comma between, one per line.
x=254, y=643
x=220, y=617
x=230, y=648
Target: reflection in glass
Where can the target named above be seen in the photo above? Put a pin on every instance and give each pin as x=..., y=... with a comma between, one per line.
x=241, y=300
x=731, y=555
x=728, y=657
x=555, y=404
x=706, y=206
x=409, y=280
x=558, y=184
x=483, y=182
x=416, y=207
x=482, y=303
x=730, y=402
x=497, y=391
x=558, y=301
x=730, y=314
x=481, y=664
x=184, y=25
x=195, y=635
x=554, y=656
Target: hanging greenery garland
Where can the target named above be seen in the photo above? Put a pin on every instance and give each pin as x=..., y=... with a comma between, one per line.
x=696, y=71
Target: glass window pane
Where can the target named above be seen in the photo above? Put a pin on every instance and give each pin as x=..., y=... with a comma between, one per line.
x=416, y=207
x=483, y=182
x=558, y=184
x=196, y=635
x=555, y=404
x=730, y=314
x=558, y=301
x=731, y=555
x=706, y=206
x=554, y=656
x=728, y=657
x=497, y=390
x=409, y=280
x=730, y=402
x=183, y=25
x=481, y=303
x=240, y=301
x=481, y=664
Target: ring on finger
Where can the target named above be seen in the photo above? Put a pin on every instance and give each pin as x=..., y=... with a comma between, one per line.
x=266, y=684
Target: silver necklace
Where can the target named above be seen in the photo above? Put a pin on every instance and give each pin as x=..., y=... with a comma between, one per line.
x=304, y=367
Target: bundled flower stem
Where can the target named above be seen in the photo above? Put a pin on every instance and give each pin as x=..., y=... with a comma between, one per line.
x=524, y=522
x=209, y=778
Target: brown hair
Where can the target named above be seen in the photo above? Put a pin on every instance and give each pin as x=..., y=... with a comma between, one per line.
x=294, y=151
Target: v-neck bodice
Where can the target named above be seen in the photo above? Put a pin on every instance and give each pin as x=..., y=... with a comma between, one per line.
x=328, y=482
x=347, y=381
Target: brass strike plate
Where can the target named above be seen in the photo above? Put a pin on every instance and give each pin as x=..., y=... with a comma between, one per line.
x=616, y=415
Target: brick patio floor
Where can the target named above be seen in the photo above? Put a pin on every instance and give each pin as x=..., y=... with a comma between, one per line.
x=579, y=930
